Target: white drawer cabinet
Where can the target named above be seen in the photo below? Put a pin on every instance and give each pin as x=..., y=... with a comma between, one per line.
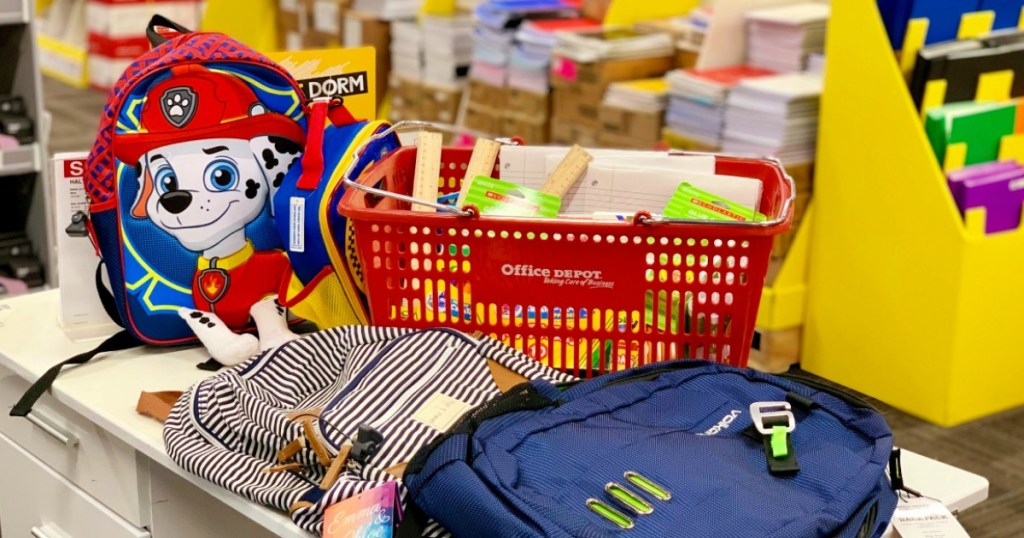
x=100, y=464
x=180, y=510
x=36, y=501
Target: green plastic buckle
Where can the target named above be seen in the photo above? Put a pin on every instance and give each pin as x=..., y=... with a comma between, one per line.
x=780, y=446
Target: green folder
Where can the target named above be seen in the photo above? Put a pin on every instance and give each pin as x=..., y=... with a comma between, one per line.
x=981, y=126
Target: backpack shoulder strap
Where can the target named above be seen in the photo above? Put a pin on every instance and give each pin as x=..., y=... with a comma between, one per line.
x=117, y=342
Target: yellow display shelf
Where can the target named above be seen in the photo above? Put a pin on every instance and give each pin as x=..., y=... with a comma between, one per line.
x=783, y=303
x=630, y=11
x=907, y=303
x=63, y=61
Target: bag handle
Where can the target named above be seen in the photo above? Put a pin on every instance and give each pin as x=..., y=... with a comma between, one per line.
x=117, y=342
x=156, y=37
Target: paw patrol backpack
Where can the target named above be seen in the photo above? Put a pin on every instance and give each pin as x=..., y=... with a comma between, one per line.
x=194, y=140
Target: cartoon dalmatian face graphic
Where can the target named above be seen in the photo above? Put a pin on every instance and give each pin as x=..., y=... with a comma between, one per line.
x=203, y=192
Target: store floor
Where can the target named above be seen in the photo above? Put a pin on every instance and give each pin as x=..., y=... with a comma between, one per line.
x=993, y=447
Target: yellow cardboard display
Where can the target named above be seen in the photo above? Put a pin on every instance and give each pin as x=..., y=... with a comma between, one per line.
x=438, y=7
x=995, y=86
x=628, y=12
x=64, y=54
x=976, y=24
x=907, y=303
x=319, y=65
x=254, y=24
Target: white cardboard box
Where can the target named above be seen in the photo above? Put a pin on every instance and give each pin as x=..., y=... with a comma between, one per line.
x=81, y=313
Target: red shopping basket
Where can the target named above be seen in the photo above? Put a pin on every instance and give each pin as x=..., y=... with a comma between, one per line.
x=583, y=296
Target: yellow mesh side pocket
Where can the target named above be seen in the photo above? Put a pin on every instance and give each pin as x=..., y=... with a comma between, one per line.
x=323, y=301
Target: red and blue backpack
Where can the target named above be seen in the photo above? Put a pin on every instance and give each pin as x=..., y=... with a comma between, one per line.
x=194, y=140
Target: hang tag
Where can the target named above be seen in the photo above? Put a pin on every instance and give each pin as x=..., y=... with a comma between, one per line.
x=919, y=517
x=441, y=411
x=297, y=225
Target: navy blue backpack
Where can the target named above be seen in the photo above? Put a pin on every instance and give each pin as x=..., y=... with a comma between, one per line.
x=680, y=449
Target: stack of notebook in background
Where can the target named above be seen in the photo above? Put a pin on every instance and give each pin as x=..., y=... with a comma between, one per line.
x=389, y=10
x=696, y=110
x=586, y=63
x=407, y=50
x=633, y=113
x=613, y=44
x=494, y=37
x=781, y=38
x=648, y=95
x=688, y=32
x=776, y=115
x=430, y=60
x=530, y=62
x=509, y=86
x=447, y=48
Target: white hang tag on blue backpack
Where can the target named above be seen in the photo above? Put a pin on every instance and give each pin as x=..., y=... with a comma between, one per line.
x=921, y=517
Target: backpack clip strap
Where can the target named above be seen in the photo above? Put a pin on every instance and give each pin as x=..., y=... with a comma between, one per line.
x=774, y=421
x=313, y=156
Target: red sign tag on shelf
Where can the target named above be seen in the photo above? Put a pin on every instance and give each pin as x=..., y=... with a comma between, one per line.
x=565, y=68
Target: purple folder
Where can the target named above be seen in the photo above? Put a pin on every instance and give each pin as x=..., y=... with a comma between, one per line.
x=957, y=177
x=1001, y=194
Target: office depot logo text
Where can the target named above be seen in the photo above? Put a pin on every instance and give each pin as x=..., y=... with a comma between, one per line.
x=559, y=277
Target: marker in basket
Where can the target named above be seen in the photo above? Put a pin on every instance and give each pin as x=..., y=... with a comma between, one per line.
x=428, y=170
x=568, y=172
x=691, y=203
x=481, y=163
x=496, y=197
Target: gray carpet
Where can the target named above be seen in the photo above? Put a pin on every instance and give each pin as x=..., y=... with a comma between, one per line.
x=993, y=447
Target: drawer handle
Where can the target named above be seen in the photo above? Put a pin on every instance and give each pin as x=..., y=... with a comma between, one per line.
x=44, y=532
x=65, y=437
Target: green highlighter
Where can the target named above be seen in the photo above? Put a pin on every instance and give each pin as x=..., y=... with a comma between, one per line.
x=691, y=203
x=496, y=197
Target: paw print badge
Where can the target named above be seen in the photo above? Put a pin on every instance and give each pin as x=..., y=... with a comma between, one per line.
x=178, y=105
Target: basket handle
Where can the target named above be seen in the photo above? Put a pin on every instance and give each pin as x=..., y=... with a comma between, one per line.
x=420, y=126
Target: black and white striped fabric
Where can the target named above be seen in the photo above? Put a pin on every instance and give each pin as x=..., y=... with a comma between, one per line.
x=229, y=428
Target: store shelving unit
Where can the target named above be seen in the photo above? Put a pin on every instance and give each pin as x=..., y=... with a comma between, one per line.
x=19, y=75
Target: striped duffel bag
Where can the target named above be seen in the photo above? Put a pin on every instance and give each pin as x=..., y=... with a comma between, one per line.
x=337, y=412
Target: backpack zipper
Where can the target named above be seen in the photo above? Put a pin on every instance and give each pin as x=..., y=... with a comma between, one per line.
x=868, y=526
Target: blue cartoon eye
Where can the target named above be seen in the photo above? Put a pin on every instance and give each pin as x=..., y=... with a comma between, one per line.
x=165, y=180
x=221, y=175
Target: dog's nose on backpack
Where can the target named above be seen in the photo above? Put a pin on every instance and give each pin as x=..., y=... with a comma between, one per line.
x=176, y=201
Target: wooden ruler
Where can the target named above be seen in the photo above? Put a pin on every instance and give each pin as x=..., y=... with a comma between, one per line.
x=428, y=170
x=568, y=172
x=485, y=154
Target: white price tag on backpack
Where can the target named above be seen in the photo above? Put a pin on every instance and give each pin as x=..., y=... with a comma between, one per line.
x=926, y=518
